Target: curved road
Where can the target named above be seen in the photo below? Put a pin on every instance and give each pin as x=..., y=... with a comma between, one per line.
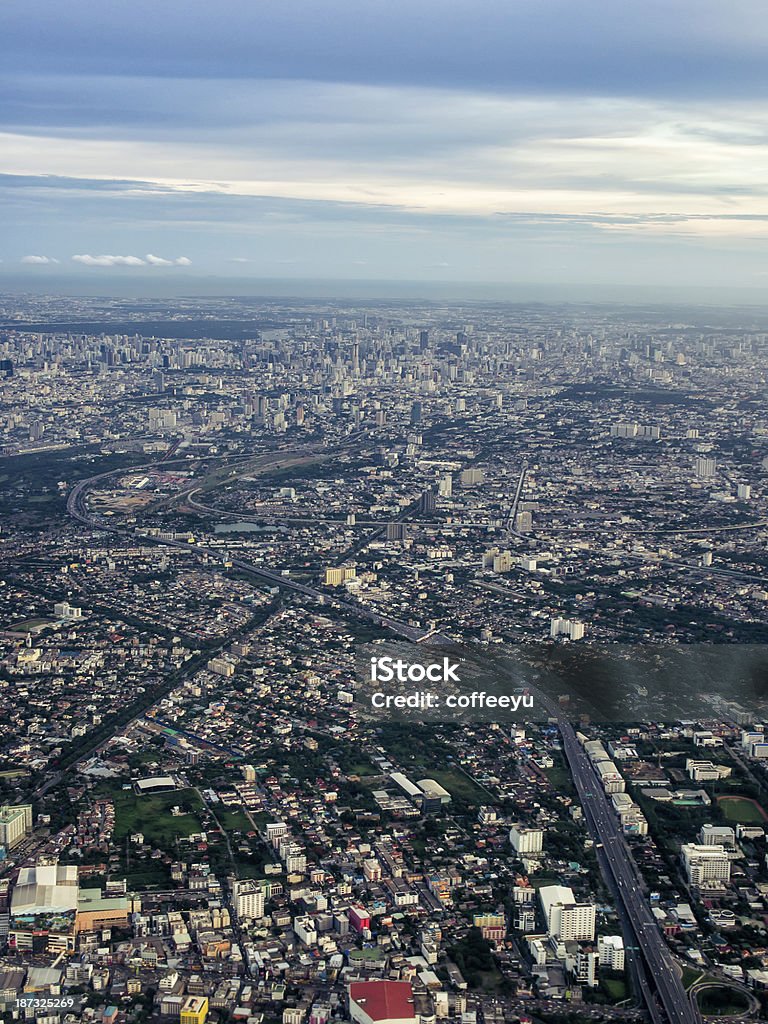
x=76, y=507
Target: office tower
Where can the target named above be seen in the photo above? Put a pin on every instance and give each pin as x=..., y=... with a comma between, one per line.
x=704, y=468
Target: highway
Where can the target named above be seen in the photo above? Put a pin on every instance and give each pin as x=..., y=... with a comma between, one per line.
x=76, y=507
x=663, y=991
x=512, y=517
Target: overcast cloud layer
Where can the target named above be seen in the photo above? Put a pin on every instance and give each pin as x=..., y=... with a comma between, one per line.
x=549, y=142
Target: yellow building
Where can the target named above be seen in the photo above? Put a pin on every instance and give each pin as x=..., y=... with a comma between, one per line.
x=194, y=1010
x=96, y=911
x=335, y=577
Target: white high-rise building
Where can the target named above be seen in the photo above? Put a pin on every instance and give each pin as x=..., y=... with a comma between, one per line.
x=586, y=967
x=526, y=840
x=15, y=823
x=610, y=952
x=566, y=627
x=705, y=864
x=248, y=898
x=566, y=919
x=704, y=468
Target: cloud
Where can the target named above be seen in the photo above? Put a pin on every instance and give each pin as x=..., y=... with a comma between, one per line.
x=104, y=260
x=160, y=261
x=108, y=261
x=37, y=260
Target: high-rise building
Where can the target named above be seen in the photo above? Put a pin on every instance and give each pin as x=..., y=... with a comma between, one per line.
x=471, y=477
x=336, y=577
x=610, y=952
x=427, y=502
x=15, y=822
x=526, y=840
x=704, y=468
x=248, y=897
x=566, y=919
x=524, y=522
x=397, y=531
x=566, y=627
x=706, y=864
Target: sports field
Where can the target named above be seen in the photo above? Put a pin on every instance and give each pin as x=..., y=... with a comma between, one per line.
x=742, y=810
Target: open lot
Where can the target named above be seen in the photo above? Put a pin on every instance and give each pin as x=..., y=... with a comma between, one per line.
x=151, y=815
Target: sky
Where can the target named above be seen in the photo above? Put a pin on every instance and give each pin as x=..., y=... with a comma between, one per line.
x=579, y=144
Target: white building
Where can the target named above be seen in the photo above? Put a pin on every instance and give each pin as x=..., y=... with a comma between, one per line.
x=706, y=864
x=526, y=840
x=15, y=822
x=704, y=468
x=65, y=610
x=610, y=952
x=566, y=627
x=566, y=919
x=706, y=771
x=248, y=898
x=586, y=967
x=717, y=835
x=306, y=930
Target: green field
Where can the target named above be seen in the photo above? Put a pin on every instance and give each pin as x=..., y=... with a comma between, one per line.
x=459, y=785
x=616, y=989
x=362, y=768
x=233, y=821
x=27, y=624
x=722, y=1002
x=742, y=810
x=690, y=976
x=151, y=815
